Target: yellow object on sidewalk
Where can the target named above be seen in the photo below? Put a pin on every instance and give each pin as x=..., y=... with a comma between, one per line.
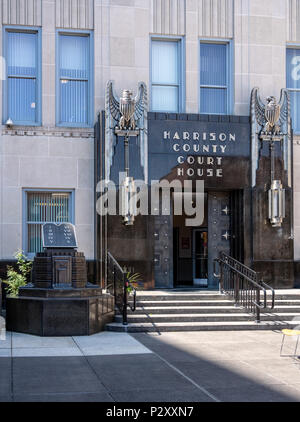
x=290, y=333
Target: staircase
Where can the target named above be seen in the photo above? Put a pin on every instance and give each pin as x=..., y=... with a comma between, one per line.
x=196, y=310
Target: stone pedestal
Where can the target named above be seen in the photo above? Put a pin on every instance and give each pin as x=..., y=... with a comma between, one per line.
x=59, y=268
x=52, y=312
x=59, y=302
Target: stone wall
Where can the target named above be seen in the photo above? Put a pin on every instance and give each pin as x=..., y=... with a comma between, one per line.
x=259, y=29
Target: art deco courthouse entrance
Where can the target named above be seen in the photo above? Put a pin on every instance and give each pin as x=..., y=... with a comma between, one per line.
x=200, y=60
x=235, y=164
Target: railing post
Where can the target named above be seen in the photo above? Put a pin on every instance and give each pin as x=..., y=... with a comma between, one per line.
x=258, y=302
x=114, y=282
x=221, y=283
x=236, y=280
x=125, y=284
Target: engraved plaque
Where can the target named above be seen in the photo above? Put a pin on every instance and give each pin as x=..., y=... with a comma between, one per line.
x=59, y=235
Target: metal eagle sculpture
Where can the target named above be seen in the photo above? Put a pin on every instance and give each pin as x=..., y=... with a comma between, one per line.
x=270, y=119
x=125, y=113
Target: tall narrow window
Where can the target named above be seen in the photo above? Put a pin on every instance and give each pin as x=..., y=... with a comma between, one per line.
x=293, y=84
x=45, y=207
x=166, y=81
x=22, y=88
x=214, y=78
x=74, y=84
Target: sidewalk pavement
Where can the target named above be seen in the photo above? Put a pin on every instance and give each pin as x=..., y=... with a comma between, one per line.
x=168, y=367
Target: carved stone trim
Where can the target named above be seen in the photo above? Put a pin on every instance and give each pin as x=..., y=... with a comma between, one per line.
x=44, y=131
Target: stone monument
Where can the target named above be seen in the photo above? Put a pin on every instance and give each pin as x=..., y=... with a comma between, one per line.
x=59, y=301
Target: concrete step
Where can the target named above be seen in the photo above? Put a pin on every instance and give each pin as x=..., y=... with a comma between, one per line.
x=200, y=326
x=176, y=303
x=185, y=309
x=208, y=298
x=211, y=303
x=206, y=310
x=179, y=297
x=241, y=316
x=203, y=309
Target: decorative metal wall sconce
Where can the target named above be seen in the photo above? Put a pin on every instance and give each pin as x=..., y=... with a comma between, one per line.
x=276, y=203
x=271, y=123
x=128, y=206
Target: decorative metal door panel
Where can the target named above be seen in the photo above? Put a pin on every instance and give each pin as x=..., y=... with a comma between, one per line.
x=163, y=251
x=218, y=230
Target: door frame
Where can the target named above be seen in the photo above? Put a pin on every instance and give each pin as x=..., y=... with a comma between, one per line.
x=200, y=282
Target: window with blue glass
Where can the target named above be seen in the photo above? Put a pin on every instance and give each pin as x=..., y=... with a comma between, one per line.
x=293, y=84
x=214, y=78
x=166, y=75
x=74, y=107
x=44, y=207
x=22, y=99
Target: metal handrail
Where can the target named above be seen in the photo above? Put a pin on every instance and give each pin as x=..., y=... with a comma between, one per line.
x=241, y=282
x=273, y=293
x=118, y=283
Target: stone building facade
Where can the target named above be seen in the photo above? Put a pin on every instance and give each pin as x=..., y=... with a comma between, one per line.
x=54, y=157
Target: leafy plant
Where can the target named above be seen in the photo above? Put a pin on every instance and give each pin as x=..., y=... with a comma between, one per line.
x=134, y=281
x=16, y=279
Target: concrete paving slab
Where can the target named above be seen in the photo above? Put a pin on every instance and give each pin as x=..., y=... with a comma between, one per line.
x=6, y=344
x=186, y=394
x=65, y=397
x=136, y=372
x=46, y=351
x=178, y=366
x=109, y=343
x=20, y=340
x=247, y=365
x=40, y=375
x=188, y=353
x=5, y=399
x=5, y=353
x=5, y=376
x=286, y=371
x=200, y=337
x=281, y=393
x=219, y=373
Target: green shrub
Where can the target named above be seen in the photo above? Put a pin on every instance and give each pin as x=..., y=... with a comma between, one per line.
x=16, y=279
x=134, y=280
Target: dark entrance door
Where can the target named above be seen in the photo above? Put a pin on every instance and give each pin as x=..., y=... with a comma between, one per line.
x=200, y=257
x=190, y=246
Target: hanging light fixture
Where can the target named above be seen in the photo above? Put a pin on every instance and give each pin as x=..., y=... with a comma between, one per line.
x=276, y=203
x=128, y=204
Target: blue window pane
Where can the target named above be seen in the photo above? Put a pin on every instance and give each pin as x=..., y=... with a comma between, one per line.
x=74, y=79
x=74, y=56
x=213, y=64
x=293, y=68
x=74, y=101
x=21, y=99
x=165, y=62
x=43, y=207
x=165, y=98
x=213, y=100
x=295, y=110
x=22, y=71
x=21, y=54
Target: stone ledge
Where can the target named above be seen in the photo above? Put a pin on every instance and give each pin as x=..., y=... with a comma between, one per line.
x=48, y=131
